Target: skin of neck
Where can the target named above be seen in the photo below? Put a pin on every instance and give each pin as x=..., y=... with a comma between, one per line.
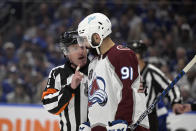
x=106, y=45
x=140, y=62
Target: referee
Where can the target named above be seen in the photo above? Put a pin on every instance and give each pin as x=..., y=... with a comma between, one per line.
x=155, y=82
x=66, y=91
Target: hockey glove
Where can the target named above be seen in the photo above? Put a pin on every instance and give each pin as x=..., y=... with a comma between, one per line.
x=85, y=127
x=117, y=125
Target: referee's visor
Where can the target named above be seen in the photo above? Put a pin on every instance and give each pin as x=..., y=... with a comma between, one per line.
x=82, y=41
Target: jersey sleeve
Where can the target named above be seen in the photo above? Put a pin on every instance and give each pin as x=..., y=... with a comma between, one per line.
x=55, y=98
x=126, y=68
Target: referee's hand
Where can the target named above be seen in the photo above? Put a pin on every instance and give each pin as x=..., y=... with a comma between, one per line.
x=77, y=77
x=178, y=108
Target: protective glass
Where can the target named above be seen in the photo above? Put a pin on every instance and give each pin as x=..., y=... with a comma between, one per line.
x=71, y=49
x=75, y=48
x=83, y=41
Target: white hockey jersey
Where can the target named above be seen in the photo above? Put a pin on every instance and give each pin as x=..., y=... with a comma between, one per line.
x=113, y=81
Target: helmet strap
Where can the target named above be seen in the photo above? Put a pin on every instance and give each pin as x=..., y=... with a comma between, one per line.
x=98, y=47
x=98, y=50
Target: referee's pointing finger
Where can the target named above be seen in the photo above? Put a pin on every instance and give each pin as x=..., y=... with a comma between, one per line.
x=77, y=70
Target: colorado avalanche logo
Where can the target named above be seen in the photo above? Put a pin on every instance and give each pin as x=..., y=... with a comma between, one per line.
x=96, y=92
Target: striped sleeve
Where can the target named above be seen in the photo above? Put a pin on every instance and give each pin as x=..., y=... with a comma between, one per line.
x=161, y=82
x=55, y=98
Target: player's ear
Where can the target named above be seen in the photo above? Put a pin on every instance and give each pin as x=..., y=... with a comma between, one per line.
x=96, y=38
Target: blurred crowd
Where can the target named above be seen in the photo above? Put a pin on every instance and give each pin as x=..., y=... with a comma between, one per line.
x=29, y=50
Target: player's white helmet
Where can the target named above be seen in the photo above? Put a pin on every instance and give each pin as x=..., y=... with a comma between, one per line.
x=94, y=23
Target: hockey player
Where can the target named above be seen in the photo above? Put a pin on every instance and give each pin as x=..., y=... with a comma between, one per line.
x=155, y=82
x=113, y=79
x=66, y=91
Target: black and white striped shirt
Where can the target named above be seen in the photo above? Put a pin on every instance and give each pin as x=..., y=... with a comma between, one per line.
x=60, y=99
x=156, y=82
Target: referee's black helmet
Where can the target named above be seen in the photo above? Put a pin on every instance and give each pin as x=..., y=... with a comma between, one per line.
x=137, y=46
x=66, y=39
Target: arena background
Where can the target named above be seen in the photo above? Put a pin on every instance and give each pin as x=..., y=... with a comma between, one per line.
x=29, y=30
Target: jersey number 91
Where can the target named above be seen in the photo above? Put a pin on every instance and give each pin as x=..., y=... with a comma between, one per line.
x=127, y=72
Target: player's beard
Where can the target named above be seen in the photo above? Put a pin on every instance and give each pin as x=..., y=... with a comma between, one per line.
x=93, y=51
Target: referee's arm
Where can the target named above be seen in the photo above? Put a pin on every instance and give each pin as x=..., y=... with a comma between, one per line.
x=56, y=100
x=162, y=82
